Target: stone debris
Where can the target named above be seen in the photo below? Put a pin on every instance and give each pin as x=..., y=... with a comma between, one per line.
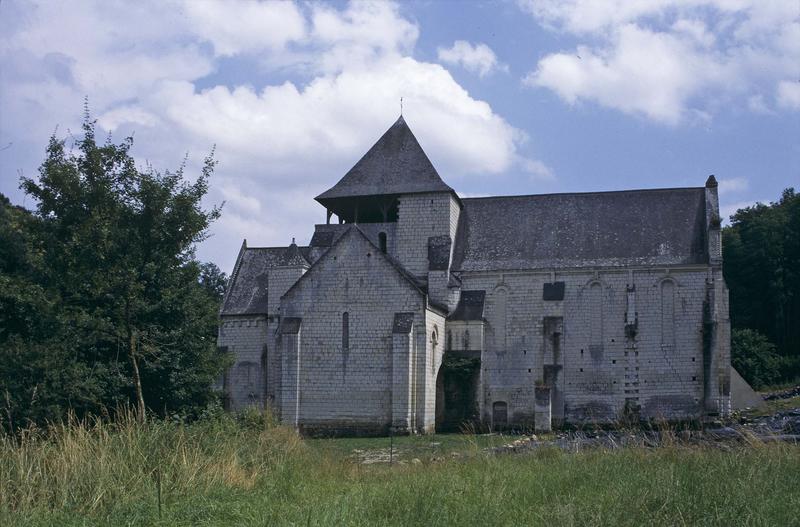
x=783, y=394
x=781, y=426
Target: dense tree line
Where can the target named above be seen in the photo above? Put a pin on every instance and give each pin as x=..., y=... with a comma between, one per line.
x=761, y=250
x=102, y=301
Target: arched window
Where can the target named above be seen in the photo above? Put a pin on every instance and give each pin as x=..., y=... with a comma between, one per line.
x=466, y=339
x=668, y=314
x=345, y=331
x=501, y=298
x=449, y=339
x=382, y=242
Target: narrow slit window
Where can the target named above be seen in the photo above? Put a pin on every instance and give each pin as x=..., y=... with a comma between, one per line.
x=382, y=242
x=345, y=331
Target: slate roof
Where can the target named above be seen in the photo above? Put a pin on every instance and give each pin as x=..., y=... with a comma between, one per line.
x=247, y=291
x=636, y=227
x=396, y=164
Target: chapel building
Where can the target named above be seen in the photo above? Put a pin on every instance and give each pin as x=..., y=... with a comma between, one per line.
x=418, y=310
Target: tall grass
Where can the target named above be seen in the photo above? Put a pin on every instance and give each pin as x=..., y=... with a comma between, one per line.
x=90, y=465
x=252, y=472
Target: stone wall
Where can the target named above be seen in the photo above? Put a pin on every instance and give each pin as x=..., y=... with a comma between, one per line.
x=600, y=360
x=421, y=216
x=434, y=346
x=246, y=338
x=347, y=303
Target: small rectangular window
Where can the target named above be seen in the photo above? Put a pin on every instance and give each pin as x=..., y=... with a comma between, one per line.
x=553, y=291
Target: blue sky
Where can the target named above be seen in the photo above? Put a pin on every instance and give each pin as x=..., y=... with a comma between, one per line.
x=508, y=97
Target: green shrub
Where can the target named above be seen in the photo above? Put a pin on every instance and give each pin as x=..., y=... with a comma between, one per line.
x=755, y=358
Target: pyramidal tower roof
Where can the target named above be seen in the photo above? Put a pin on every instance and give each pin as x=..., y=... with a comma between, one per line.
x=396, y=164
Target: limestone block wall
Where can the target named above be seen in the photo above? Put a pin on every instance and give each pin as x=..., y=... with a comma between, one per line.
x=280, y=279
x=434, y=346
x=599, y=367
x=246, y=338
x=347, y=303
x=717, y=344
x=373, y=231
x=465, y=335
x=421, y=216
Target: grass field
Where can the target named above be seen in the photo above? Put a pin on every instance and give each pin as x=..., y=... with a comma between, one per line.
x=227, y=472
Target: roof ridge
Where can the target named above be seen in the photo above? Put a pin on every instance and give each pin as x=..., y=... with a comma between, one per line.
x=626, y=191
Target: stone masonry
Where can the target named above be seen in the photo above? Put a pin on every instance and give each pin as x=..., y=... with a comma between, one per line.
x=512, y=312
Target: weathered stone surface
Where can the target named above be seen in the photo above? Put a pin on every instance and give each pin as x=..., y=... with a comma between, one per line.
x=613, y=301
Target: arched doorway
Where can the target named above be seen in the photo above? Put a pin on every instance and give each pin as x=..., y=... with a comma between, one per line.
x=457, y=393
x=499, y=415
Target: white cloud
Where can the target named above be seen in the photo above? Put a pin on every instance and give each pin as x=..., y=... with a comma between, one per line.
x=361, y=34
x=538, y=170
x=733, y=185
x=245, y=27
x=146, y=68
x=476, y=58
x=789, y=94
x=643, y=72
x=667, y=60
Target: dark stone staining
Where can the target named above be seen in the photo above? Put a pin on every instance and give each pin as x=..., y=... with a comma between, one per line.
x=596, y=352
x=403, y=322
x=631, y=315
x=631, y=412
x=345, y=332
x=670, y=407
x=343, y=428
x=439, y=253
x=708, y=348
x=553, y=291
x=637, y=227
x=551, y=372
x=553, y=328
x=542, y=395
x=593, y=411
x=290, y=325
x=470, y=306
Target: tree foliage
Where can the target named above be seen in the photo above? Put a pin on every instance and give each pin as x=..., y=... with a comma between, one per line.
x=101, y=298
x=761, y=250
x=754, y=356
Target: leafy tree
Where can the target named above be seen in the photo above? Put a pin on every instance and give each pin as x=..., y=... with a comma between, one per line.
x=101, y=283
x=754, y=356
x=761, y=249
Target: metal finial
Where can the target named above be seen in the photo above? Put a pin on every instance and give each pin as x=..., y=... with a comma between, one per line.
x=401, y=106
